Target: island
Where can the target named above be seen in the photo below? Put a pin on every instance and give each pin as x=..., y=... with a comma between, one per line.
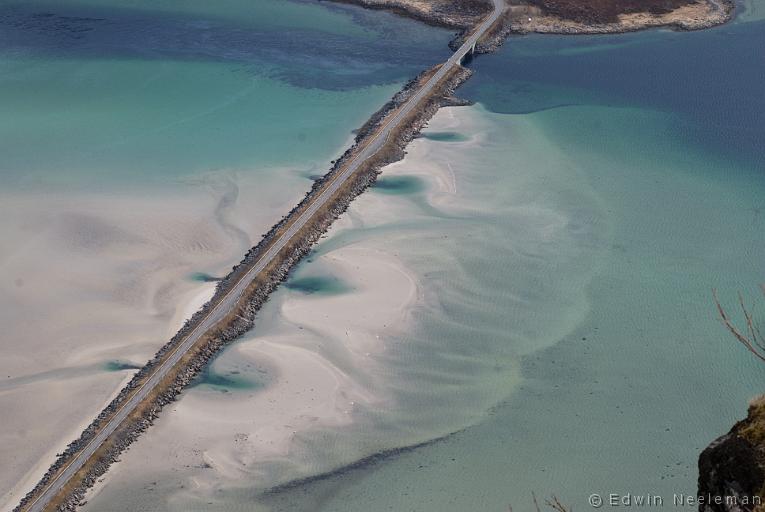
x=566, y=16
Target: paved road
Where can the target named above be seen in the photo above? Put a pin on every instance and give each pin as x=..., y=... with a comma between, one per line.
x=230, y=300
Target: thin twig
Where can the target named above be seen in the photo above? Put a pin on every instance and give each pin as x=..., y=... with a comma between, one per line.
x=747, y=317
x=751, y=344
x=555, y=504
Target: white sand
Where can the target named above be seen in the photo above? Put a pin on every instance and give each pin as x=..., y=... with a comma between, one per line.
x=347, y=375
x=95, y=277
x=323, y=355
x=191, y=303
x=318, y=352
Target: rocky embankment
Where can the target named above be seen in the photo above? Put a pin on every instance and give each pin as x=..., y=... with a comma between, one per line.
x=256, y=295
x=732, y=468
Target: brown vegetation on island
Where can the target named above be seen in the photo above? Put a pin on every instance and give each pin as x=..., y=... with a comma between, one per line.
x=614, y=16
x=604, y=11
x=563, y=16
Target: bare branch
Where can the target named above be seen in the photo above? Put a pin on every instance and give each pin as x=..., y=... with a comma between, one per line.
x=751, y=340
x=758, y=337
x=555, y=504
x=754, y=332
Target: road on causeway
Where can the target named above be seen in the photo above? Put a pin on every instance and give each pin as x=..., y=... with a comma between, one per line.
x=231, y=299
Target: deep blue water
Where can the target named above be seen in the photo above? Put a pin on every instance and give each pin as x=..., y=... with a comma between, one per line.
x=137, y=91
x=306, y=56
x=712, y=80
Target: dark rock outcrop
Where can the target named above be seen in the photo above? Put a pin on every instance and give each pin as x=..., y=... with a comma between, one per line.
x=732, y=468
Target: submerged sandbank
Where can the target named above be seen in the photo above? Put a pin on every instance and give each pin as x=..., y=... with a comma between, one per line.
x=387, y=363
x=97, y=278
x=158, y=162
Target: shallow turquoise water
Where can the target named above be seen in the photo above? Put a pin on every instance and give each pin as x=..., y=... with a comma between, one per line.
x=201, y=277
x=319, y=285
x=129, y=92
x=613, y=192
x=144, y=101
x=118, y=366
x=399, y=185
x=444, y=136
x=224, y=382
x=599, y=213
x=634, y=390
x=660, y=160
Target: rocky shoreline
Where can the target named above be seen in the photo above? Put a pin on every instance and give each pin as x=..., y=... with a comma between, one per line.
x=458, y=14
x=257, y=294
